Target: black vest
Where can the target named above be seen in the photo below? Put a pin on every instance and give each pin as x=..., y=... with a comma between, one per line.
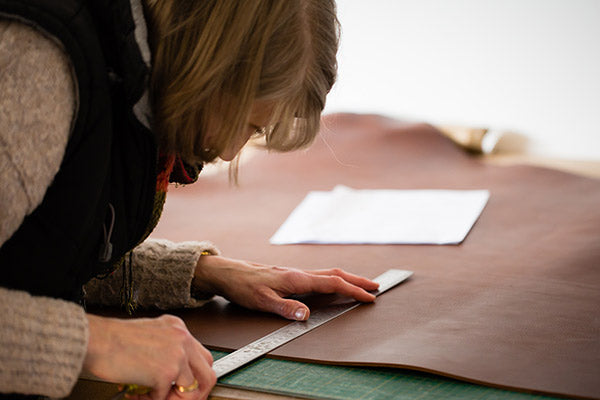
x=100, y=202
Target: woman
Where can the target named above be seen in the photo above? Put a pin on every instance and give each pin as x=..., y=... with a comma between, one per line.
x=103, y=103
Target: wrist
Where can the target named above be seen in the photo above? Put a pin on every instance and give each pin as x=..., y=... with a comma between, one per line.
x=202, y=282
x=99, y=331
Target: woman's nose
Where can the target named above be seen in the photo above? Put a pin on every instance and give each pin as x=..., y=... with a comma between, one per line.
x=230, y=152
x=234, y=147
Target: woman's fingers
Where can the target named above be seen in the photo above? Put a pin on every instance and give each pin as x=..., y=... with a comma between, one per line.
x=299, y=282
x=291, y=309
x=357, y=280
x=337, y=284
x=187, y=383
x=196, y=376
x=186, y=378
x=192, y=366
x=150, y=352
x=201, y=364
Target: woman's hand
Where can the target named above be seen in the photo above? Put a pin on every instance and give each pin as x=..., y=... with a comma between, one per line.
x=264, y=288
x=153, y=352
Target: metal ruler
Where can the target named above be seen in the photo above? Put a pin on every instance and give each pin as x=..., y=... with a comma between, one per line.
x=270, y=342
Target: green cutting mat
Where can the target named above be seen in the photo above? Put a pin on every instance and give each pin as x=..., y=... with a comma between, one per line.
x=353, y=383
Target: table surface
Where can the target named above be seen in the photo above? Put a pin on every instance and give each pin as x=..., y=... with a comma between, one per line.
x=90, y=389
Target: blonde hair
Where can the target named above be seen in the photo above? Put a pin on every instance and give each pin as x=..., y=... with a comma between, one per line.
x=217, y=57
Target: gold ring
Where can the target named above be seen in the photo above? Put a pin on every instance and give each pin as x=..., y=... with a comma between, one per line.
x=185, y=389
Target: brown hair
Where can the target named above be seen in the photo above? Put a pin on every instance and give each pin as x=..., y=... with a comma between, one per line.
x=217, y=57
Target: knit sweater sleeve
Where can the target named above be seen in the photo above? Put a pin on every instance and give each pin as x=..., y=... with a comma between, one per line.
x=43, y=341
x=161, y=275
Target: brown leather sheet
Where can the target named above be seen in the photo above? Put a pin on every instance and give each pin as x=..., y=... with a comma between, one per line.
x=516, y=305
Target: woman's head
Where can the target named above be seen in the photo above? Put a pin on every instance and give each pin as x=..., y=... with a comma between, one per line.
x=222, y=69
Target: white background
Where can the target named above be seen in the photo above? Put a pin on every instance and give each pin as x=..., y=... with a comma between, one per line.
x=530, y=66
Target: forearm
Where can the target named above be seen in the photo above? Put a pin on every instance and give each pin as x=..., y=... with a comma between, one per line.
x=162, y=273
x=43, y=342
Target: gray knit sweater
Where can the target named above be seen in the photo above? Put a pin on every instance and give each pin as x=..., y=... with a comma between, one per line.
x=43, y=341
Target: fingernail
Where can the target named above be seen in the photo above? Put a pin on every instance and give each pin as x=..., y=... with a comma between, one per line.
x=300, y=314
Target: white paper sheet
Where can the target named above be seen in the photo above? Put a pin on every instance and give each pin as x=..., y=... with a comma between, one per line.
x=348, y=216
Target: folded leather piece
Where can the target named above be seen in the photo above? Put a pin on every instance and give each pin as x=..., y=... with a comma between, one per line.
x=515, y=305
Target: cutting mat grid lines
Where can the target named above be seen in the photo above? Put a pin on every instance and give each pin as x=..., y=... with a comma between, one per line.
x=356, y=383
